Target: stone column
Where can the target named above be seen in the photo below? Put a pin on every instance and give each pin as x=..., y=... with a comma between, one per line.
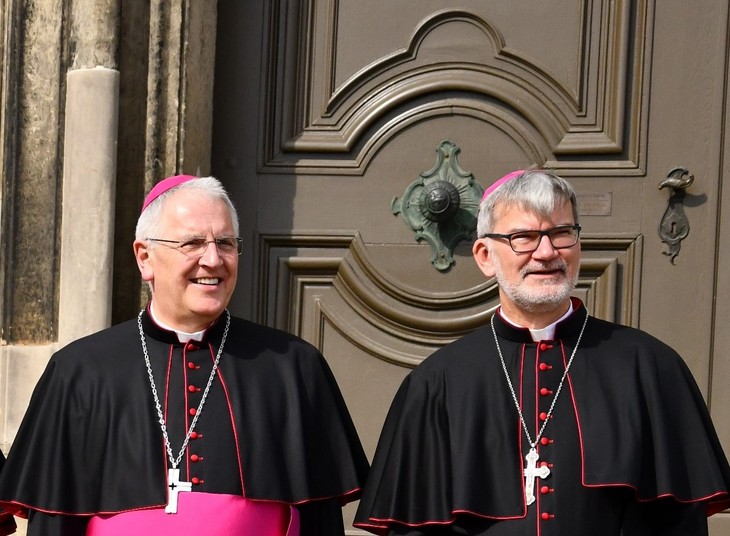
x=89, y=178
x=89, y=169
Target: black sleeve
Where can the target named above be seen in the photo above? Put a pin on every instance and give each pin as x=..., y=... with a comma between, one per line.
x=406, y=531
x=40, y=524
x=7, y=523
x=321, y=518
x=666, y=517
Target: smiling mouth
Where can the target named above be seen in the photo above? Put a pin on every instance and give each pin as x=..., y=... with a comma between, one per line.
x=206, y=280
x=546, y=271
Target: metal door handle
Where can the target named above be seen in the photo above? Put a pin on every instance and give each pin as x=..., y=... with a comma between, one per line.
x=674, y=226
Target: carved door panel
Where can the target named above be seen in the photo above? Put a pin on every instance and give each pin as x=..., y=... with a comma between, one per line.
x=327, y=111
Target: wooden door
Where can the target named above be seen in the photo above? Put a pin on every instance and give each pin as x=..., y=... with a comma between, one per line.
x=327, y=110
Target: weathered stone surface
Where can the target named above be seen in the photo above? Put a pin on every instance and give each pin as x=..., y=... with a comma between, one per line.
x=31, y=271
x=130, y=186
x=94, y=33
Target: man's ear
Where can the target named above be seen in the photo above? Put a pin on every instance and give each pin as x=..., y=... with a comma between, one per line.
x=483, y=257
x=142, y=256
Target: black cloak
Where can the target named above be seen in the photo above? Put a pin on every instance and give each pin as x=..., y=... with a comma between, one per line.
x=7, y=523
x=90, y=442
x=450, y=456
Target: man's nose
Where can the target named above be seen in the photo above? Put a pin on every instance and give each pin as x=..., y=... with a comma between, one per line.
x=211, y=256
x=545, y=248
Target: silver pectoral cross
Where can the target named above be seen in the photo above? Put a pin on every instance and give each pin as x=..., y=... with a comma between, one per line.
x=175, y=486
x=531, y=472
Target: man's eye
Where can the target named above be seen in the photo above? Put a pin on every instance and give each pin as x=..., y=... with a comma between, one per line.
x=562, y=232
x=193, y=244
x=226, y=243
x=523, y=237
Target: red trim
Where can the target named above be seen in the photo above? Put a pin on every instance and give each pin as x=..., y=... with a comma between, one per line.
x=186, y=406
x=170, y=354
x=384, y=524
x=536, y=428
x=520, y=436
x=20, y=509
x=579, y=429
x=233, y=423
x=350, y=496
x=485, y=516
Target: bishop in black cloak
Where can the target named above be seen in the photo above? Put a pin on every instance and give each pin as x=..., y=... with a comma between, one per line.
x=547, y=421
x=185, y=420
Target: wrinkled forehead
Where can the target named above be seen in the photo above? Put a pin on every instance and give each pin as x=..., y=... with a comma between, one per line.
x=194, y=210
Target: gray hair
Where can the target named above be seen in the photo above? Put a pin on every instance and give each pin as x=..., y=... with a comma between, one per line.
x=149, y=221
x=538, y=191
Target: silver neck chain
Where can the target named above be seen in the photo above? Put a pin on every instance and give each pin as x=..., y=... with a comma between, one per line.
x=161, y=418
x=532, y=443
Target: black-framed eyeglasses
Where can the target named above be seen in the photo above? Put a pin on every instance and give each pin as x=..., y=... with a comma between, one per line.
x=561, y=237
x=196, y=247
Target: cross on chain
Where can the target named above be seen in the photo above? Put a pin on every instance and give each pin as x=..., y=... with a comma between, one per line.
x=531, y=472
x=176, y=486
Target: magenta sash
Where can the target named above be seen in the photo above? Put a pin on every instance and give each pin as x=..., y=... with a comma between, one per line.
x=212, y=514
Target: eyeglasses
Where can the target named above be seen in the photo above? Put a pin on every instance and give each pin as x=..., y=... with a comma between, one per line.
x=561, y=237
x=196, y=247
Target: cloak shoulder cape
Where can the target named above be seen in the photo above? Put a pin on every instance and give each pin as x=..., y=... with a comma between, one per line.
x=90, y=442
x=449, y=445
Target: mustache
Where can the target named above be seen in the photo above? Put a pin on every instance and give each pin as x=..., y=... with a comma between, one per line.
x=558, y=265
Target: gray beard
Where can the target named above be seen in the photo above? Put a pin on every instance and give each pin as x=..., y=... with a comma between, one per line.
x=535, y=300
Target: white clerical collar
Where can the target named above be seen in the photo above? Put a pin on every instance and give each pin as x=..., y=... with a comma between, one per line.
x=543, y=334
x=182, y=336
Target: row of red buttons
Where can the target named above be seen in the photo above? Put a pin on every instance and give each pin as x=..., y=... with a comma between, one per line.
x=544, y=391
x=192, y=411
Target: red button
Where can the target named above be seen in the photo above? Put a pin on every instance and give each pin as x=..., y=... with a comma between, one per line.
x=543, y=416
x=190, y=347
x=191, y=365
x=545, y=516
x=193, y=411
x=195, y=480
x=196, y=458
x=545, y=441
x=545, y=366
x=545, y=391
x=193, y=389
x=194, y=435
x=545, y=490
x=546, y=464
x=544, y=346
